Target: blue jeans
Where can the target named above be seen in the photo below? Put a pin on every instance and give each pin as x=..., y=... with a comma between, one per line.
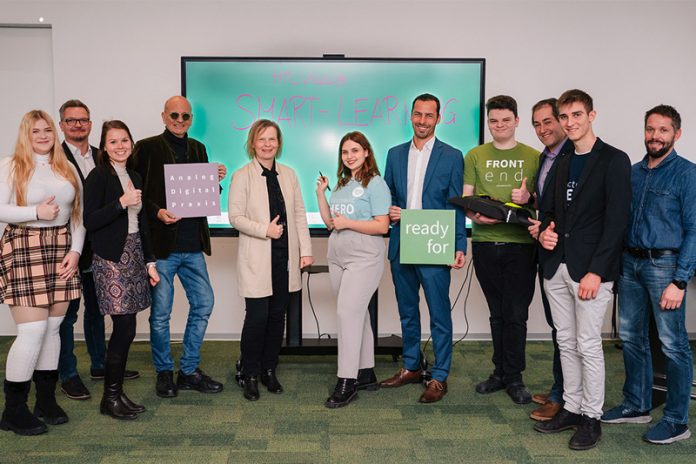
x=193, y=274
x=93, y=328
x=640, y=288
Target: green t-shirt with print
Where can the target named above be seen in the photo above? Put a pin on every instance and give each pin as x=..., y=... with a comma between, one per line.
x=495, y=173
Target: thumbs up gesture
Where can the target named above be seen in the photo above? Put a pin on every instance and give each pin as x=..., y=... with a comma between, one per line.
x=131, y=197
x=521, y=195
x=46, y=210
x=549, y=238
x=274, y=230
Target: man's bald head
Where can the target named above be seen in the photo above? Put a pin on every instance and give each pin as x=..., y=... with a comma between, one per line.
x=177, y=116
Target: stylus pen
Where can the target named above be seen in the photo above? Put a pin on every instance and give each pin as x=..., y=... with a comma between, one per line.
x=327, y=185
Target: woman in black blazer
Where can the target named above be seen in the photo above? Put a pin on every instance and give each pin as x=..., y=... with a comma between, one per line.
x=117, y=226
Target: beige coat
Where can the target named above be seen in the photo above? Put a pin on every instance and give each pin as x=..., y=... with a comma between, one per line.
x=249, y=213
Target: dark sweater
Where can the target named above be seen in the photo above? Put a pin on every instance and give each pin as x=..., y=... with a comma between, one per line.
x=150, y=155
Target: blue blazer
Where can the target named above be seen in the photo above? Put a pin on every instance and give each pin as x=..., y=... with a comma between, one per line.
x=444, y=178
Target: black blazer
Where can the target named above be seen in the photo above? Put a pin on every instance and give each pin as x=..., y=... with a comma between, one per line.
x=591, y=228
x=86, y=255
x=105, y=220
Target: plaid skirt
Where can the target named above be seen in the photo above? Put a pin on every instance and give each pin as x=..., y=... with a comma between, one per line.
x=123, y=287
x=29, y=266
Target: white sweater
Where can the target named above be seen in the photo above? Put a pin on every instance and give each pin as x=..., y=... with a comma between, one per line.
x=42, y=184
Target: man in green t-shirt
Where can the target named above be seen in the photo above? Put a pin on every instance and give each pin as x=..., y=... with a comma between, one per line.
x=503, y=254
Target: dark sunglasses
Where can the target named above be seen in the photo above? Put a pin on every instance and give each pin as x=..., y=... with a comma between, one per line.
x=184, y=116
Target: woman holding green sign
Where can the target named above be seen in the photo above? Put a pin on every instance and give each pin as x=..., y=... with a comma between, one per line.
x=357, y=215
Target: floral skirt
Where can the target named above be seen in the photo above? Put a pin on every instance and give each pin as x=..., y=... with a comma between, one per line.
x=122, y=287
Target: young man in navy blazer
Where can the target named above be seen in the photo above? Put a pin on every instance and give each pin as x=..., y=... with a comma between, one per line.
x=582, y=234
x=422, y=174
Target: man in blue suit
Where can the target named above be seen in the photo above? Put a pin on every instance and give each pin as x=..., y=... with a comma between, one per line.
x=422, y=174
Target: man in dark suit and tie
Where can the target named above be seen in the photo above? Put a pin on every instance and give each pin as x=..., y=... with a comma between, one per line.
x=556, y=144
x=422, y=174
x=585, y=218
x=76, y=126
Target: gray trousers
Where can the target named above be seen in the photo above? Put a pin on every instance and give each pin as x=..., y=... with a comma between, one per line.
x=356, y=265
x=579, y=334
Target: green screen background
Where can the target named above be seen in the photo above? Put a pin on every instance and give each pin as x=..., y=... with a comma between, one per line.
x=315, y=102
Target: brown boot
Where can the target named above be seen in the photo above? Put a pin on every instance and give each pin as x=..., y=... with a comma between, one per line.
x=546, y=411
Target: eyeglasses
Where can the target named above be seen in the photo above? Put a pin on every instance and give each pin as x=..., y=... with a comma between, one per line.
x=184, y=116
x=72, y=122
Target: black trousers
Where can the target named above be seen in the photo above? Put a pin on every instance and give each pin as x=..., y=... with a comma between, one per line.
x=506, y=272
x=264, y=322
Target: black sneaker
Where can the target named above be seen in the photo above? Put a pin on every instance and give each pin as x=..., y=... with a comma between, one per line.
x=98, y=374
x=165, y=386
x=490, y=385
x=197, y=381
x=588, y=434
x=518, y=392
x=75, y=389
x=564, y=420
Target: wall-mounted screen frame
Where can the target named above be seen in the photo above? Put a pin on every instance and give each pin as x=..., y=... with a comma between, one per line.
x=316, y=101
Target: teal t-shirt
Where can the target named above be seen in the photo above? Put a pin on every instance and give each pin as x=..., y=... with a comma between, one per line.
x=361, y=203
x=495, y=173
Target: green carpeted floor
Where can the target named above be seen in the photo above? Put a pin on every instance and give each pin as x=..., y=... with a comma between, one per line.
x=387, y=426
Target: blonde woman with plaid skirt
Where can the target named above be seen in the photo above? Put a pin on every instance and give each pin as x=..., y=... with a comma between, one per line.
x=40, y=201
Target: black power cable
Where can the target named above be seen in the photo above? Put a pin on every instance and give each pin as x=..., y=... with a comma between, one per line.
x=467, y=277
x=314, y=313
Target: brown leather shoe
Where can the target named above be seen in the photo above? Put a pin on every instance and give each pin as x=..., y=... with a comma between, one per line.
x=434, y=391
x=546, y=411
x=540, y=398
x=401, y=378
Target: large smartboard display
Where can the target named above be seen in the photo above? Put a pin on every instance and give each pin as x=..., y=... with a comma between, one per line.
x=317, y=101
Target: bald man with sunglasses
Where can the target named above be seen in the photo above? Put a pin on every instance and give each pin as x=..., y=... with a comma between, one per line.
x=178, y=244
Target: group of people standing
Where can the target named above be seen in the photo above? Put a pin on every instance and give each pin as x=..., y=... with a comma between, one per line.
x=594, y=212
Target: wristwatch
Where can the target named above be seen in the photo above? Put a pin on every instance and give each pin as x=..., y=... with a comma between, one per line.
x=680, y=284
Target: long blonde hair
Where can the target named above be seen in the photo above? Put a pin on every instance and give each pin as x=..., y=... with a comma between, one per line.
x=23, y=161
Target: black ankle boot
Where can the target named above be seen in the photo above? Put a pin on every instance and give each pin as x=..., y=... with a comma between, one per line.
x=344, y=393
x=111, y=403
x=269, y=379
x=46, y=407
x=16, y=416
x=135, y=407
x=367, y=380
x=251, y=387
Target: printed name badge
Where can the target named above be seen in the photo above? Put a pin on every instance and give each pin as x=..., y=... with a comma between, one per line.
x=427, y=236
x=192, y=190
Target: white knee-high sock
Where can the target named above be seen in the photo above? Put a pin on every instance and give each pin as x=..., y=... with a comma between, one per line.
x=21, y=359
x=50, y=350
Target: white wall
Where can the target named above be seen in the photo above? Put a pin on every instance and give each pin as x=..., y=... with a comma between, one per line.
x=123, y=59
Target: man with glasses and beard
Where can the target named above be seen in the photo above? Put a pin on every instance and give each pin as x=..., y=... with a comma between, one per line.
x=658, y=261
x=178, y=245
